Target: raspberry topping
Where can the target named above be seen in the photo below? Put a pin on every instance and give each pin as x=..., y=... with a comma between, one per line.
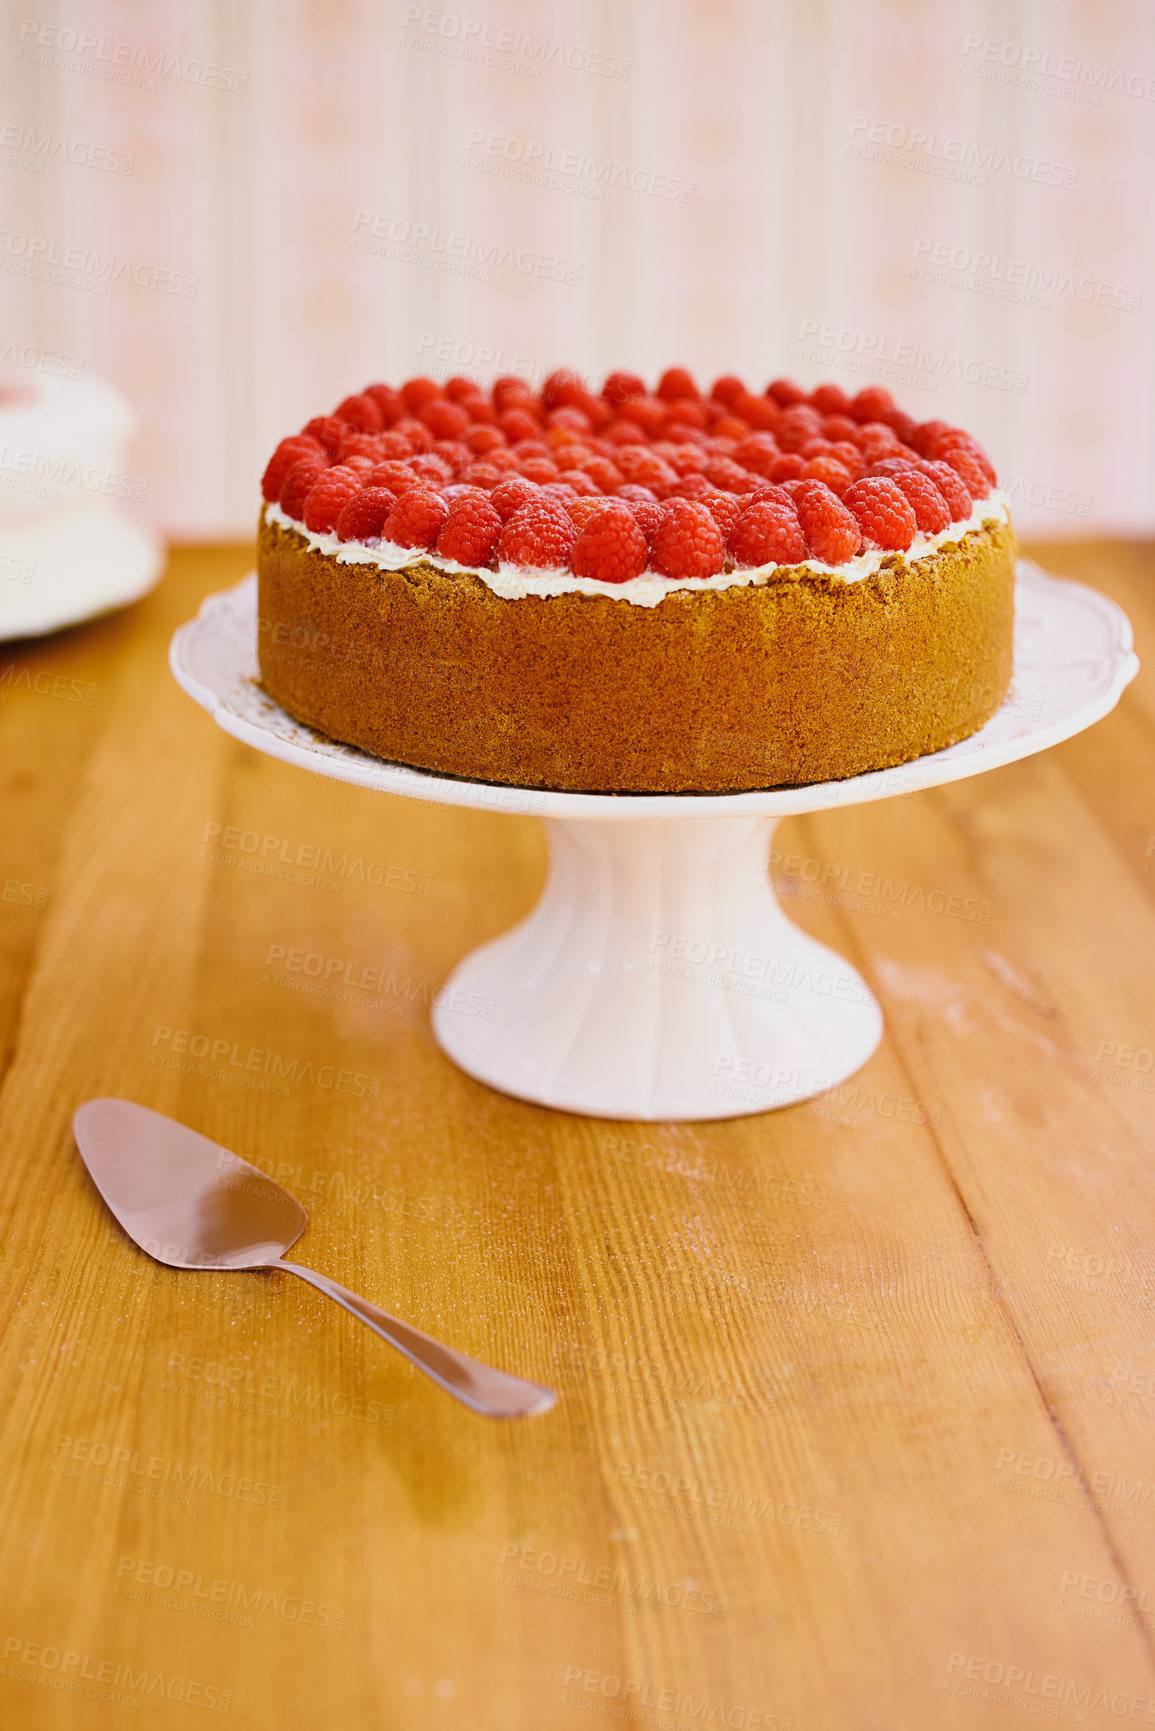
x=541, y=534
x=831, y=531
x=768, y=533
x=884, y=513
x=327, y=497
x=363, y=518
x=416, y=519
x=952, y=487
x=362, y=413
x=688, y=542
x=510, y=495
x=471, y=532
x=288, y=452
x=611, y=546
x=931, y=511
x=298, y=483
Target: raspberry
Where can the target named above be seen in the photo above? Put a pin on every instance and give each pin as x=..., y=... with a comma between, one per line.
x=508, y=390
x=388, y=401
x=432, y=469
x=631, y=490
x=647, y=469
x=850, y=457
x=832, y=474
x=604, y=474
x=732, y=426
x=685, y=459
x=569, y=416
x=355, y=444
x=416, y=519
x=725, y=508
x=728, y=476
x=830, y=400
x=560, y=490
x=757, y=452
x=952, y=487
x=647, y=514
x=393, y=446
x=362, y=413
x=785, y=392
x=418, y=434
x=922, y=436
x=298, y=484
x=517, y=424
x=767, y=533
x=902, y=424
x=728, y=389
x=582, y=483
x=398, y=477
x=444, y=419
x=945, y=445
x=288, y=452
x=363, y=518
x=510, y=495
x=479, y=439
x=686, y=412
x=363, y=465
x=611, y=547
x=831, y=531
x=458, y=387
x=840, y=427
x=676, y=382
x=688, y=542
x=790, y=468
x=797, y=425
x=891, y=466
x=581, y=510
x=541, y=534
x=624, y=433
x=883, y=512
x=691, y=487
x=415, y=393
x=483, y=474
x=965, y=464
x=931, y=511
x=479, y=408
x=471, y=532
x=762, y=413
x=455, y=455
x=649, y=413
x=561, y=388
x=327, y=430
x=619, y=386
x=872, y=404
x=877, y=441
x=327, y=497
x=539, y=469
x=776, y=496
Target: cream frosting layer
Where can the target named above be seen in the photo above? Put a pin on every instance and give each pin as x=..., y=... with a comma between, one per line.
x=513, y=582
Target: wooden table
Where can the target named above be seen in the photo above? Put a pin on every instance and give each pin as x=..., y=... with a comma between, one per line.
x=856, y=1398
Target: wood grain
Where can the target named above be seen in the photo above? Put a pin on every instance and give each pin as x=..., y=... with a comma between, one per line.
x=856, y=1397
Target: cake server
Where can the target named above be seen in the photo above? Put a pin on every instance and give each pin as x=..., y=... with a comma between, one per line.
x=190, y=1203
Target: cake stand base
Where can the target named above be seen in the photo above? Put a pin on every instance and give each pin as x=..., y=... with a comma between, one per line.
x=658, y=978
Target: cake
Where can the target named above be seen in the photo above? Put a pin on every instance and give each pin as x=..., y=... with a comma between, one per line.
x=67, y=547
x=626, y=591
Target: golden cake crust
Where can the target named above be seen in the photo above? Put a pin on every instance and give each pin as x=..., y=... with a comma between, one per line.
x=805, y=678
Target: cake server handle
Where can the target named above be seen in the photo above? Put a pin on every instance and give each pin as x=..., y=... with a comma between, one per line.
x=493, y=1393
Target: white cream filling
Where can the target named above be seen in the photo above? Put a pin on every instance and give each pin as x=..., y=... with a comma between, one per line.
x=514, y=582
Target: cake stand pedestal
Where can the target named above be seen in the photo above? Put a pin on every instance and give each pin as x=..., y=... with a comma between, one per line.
x=657, y=977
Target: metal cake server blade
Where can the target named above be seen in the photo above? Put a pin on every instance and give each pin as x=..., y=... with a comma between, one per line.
x=190, y=1203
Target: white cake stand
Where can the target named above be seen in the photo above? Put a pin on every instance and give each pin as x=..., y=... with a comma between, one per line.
x=657, y=977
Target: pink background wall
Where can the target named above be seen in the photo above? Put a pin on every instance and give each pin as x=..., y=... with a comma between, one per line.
x=821, y=153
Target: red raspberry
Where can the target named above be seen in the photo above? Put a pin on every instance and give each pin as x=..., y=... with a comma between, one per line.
x=790, y=468
x=418, y=434
x=831, y=473
x=328, y=496
x=647, y=469
x=509, y=389
x=840, y=427
x=830, y=400
x=471, y=532
x=648, y=412
x=560, y=490
x=776, y=495
x=518, y=423
x=732, y=427
x=647, y=514
x=762, y=413
x=876, y=441
x=511, y=494
x=572, y=456
x=571, y=418
x=952, y=487
x=394, y=446
x=459, y=386
x=725, y=508
x=902, y=424
x=633, y=490
x=362, y=413
x=432, y=469
x=891, y=466
x=685, y=459
x=784, y=392
x=363, y=518
x=728, y=476
x=328, y=432
x=388, y=401
x=541, y=533
x=483, y=474
x=604, y=474
x=444, y=419
x=850, y=457
x=943, y=447
x=561, y=388
x=797, y=425
x=299, y=483
x=767, y=533
x=356, y=444
x=624, y=433
x=831, y=531
x=966, y=465
x=417, y=518
x=363, y=465
x=454, y=454
x=729, y=390
x=619, y=386
x=502, y=458
x=922, y=436
x=931, y=511
x=398, y=477
x=581, y=510
x=415, y=393
x=288, y=452
x=611, y=546
x=539, y=469
x=685, y=412
x=691, y=487
x=884, y=513
x=479, y=439
x=580, y=481
x=872, y=404
x=688, y=542
x=757, y=452
x=676, y=382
